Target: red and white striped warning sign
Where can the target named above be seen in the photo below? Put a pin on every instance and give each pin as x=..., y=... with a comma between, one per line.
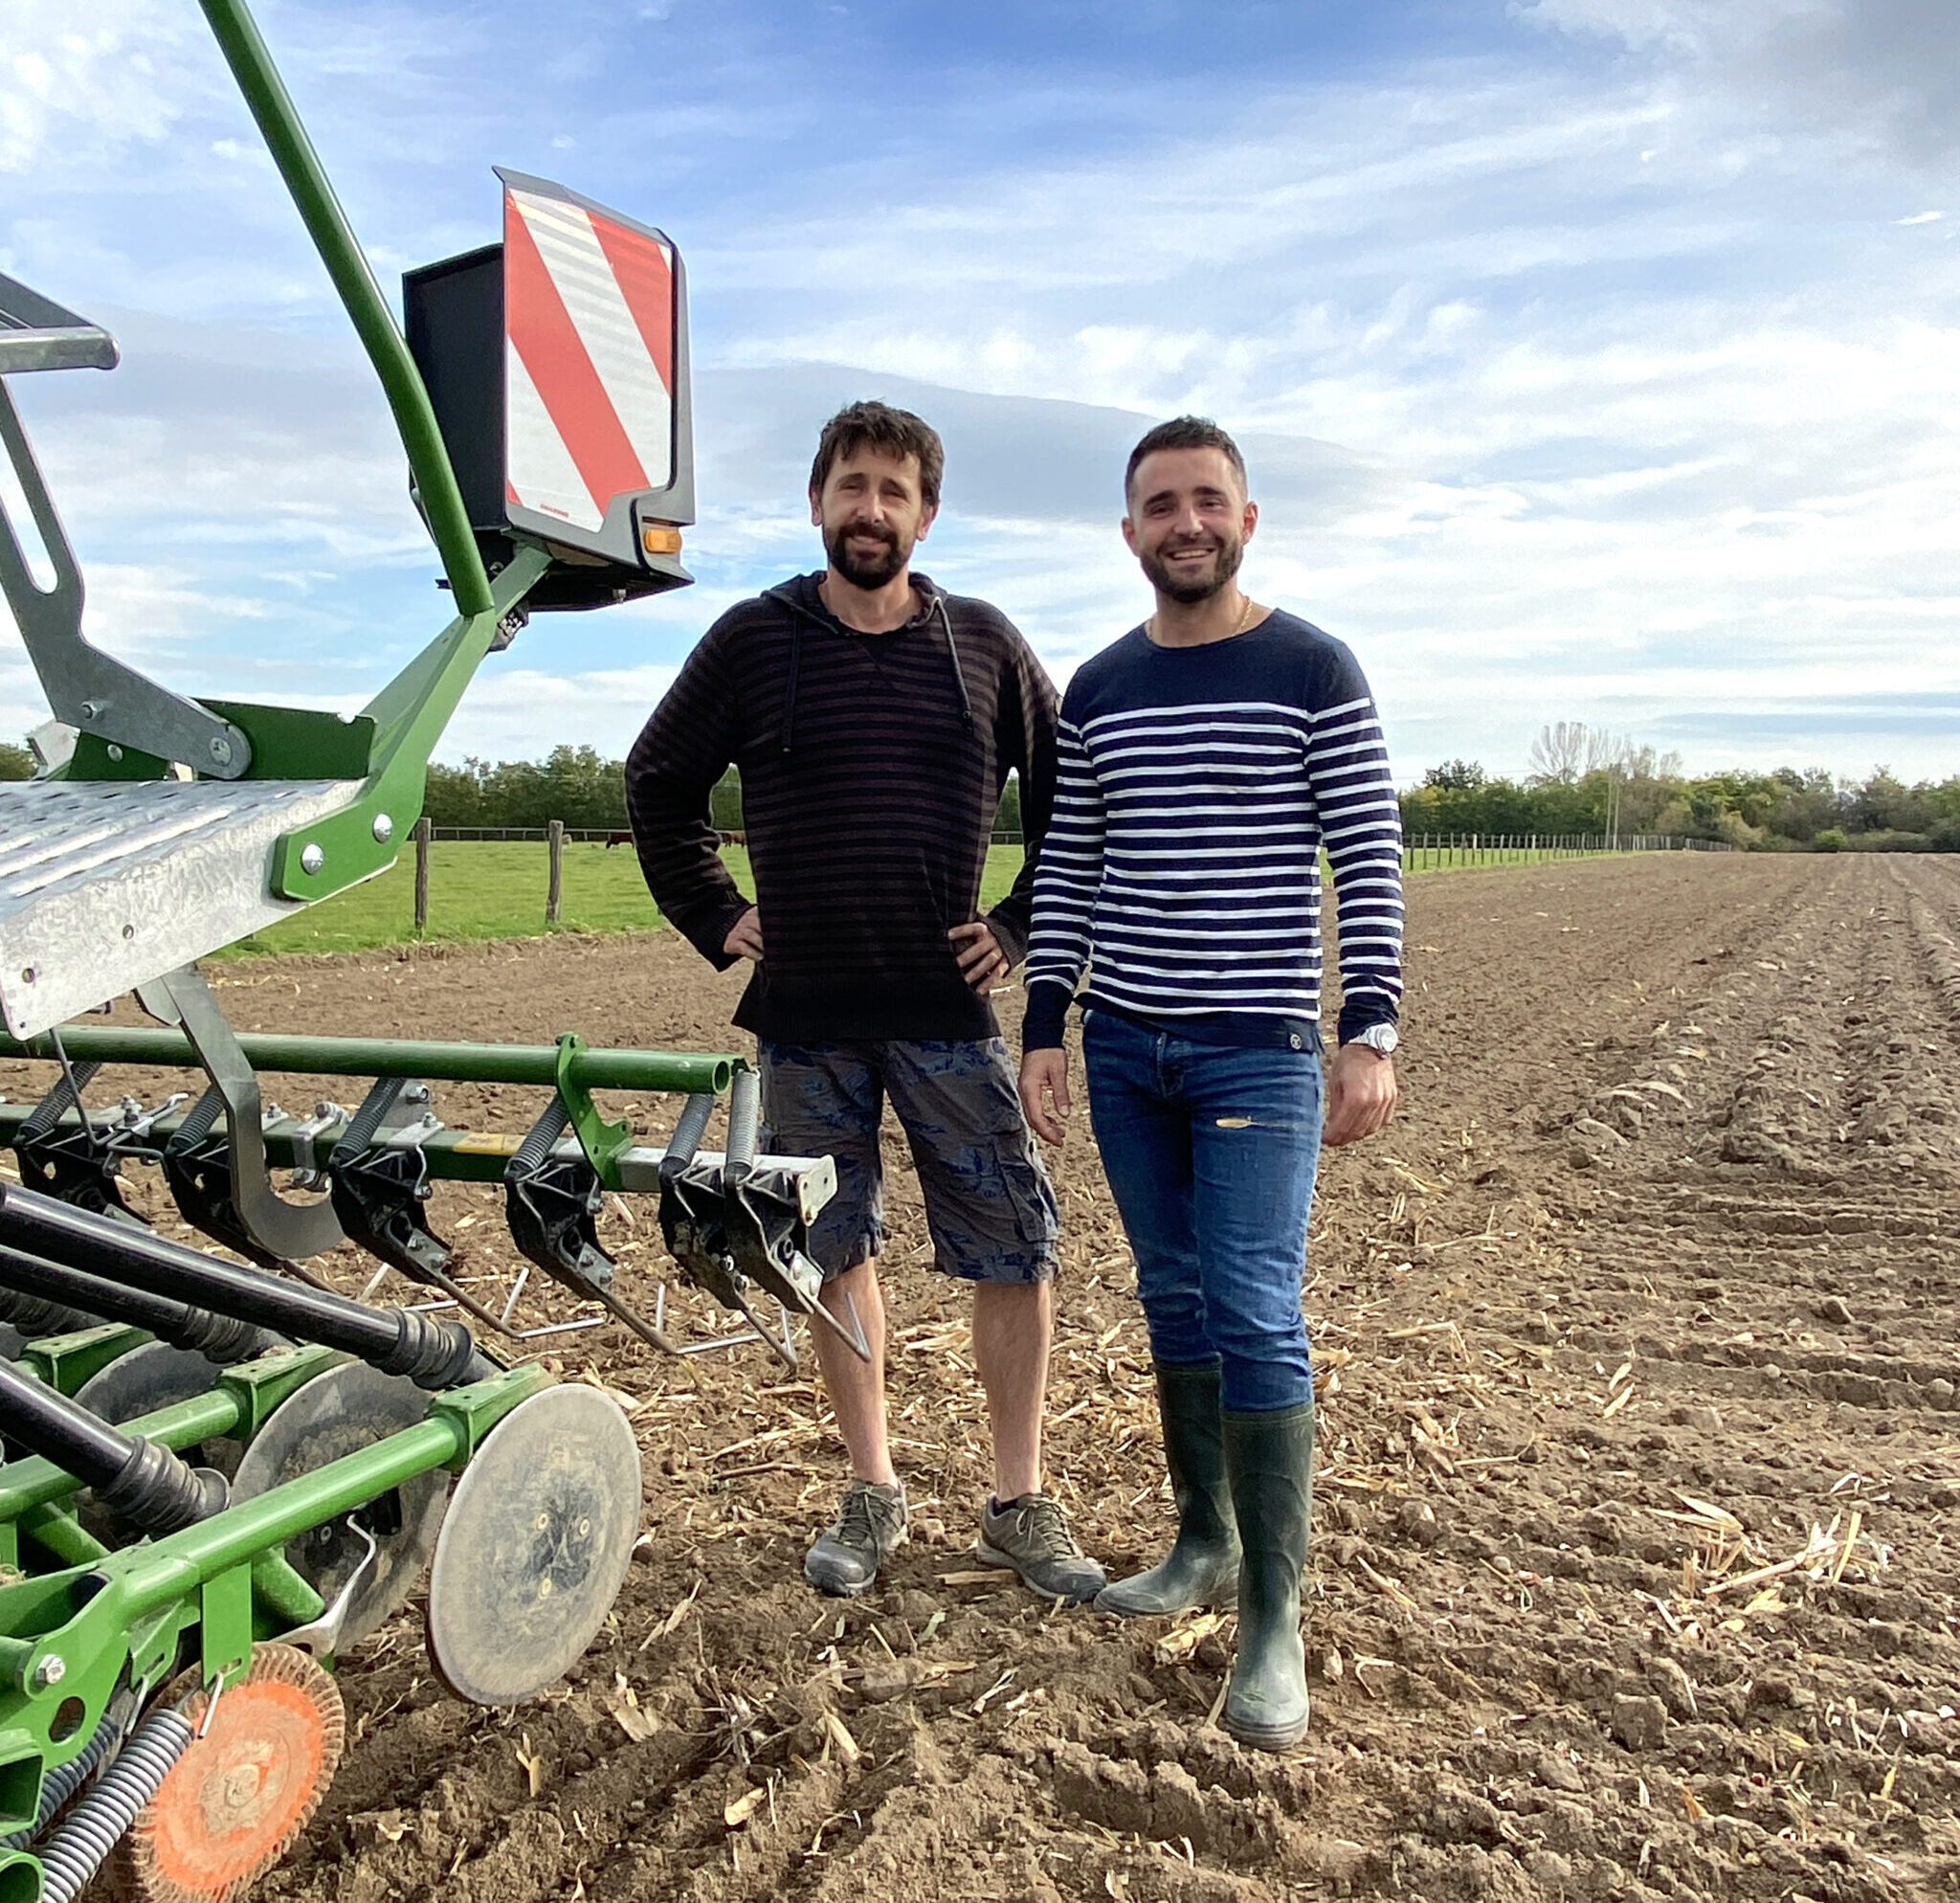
x=589, y=358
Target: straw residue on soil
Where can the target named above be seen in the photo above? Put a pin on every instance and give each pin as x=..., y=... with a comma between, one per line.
x=1638, y=1518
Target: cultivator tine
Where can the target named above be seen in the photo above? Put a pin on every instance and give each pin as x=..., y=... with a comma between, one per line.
x=550, y=1203
x=379, y=1191
x=740, y=1225
x=75, y=1164
x=287, y=1231
x=853, y=1336
x=694, y=1208
x=198, y=1165
x=766, y=1226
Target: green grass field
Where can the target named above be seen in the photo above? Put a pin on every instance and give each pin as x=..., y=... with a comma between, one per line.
x=495, y=888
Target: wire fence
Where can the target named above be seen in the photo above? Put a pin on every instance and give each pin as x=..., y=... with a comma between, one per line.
x=1439, y=852
x=1421, y=852
x=1435, y=852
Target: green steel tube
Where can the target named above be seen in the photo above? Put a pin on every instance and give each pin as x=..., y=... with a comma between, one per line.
x=72, y=1543
x=284, y=1592
x=153, y=1575
x=312, y=193
x=390, y=1057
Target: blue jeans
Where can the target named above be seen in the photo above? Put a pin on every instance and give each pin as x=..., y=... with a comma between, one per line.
x=1210, y=1150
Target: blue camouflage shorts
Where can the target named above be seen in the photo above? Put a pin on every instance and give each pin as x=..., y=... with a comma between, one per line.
x=989, y=1204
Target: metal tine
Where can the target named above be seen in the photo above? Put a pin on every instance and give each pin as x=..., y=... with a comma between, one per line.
x=517, y=1289
x=853, y=1336
x=784, y=1351
x=741, y=1340
x=532, y=1152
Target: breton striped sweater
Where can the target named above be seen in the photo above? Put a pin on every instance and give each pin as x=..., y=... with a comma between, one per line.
x=1195, y=789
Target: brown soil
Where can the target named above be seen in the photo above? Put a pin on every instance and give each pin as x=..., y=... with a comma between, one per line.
x=1646, y=1291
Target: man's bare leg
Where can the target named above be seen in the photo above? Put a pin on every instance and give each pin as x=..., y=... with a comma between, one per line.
x=857, y=1388
x=1013, y=1325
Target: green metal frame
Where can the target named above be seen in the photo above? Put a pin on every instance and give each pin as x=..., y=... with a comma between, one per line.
x=66, y=1361
x=68, y=1637
x=569, y=1061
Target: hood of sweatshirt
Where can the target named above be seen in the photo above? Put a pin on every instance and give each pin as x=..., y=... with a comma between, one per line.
x=801, y=597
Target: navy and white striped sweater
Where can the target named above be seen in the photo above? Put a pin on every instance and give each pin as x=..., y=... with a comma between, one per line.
x=1195, y=789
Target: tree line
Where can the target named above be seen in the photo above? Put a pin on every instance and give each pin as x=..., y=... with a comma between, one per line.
x=1586, y=780
x=1581, y=781
x=585, y=789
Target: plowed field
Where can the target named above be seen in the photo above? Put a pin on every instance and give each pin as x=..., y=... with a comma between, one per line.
x=1636, y=1568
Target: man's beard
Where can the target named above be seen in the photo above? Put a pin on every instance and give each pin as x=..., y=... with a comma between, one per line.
x=1189, y=589
x=860, y=571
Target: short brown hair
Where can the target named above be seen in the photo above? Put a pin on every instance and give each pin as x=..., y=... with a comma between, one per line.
x=874, y=425
x=1183, y=433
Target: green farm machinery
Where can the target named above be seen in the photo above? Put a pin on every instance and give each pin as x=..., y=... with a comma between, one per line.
x=219, y=1471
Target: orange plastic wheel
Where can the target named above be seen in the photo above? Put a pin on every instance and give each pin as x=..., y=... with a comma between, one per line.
x=237, y=1799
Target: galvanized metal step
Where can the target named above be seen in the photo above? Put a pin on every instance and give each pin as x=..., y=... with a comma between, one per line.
x=105, y=886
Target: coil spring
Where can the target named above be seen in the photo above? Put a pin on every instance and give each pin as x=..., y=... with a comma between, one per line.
x=75, y=1851
x=536, y=1148
x=689, y=1131
x=745, y=1120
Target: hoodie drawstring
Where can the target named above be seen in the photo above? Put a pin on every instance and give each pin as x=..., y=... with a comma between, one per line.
x=797, y=615
x=952, y=650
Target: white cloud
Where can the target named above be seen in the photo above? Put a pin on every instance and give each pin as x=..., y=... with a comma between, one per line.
x=1613, y=394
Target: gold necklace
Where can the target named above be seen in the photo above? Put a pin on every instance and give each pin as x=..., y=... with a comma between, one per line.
x=1245, y=615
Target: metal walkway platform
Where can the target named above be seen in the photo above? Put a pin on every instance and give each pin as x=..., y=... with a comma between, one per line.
x=106, y=885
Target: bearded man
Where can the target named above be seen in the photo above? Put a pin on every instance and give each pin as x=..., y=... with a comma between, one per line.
x=1206, y=759
x=875, y=719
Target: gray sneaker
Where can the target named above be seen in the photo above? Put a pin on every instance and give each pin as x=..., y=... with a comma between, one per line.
x=869, y=1524
x=1031, y=1536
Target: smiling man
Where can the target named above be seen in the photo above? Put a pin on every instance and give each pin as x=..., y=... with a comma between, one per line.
x=875, y=719
x=1206, y=759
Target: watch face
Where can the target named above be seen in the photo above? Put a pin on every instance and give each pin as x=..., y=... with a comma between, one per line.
x=1381, y=1038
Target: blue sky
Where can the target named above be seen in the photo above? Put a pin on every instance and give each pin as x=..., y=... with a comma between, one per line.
x=1595, y=359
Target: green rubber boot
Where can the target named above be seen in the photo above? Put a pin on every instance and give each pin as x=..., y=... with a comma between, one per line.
x=1202, y=1565
x=1269, y=1458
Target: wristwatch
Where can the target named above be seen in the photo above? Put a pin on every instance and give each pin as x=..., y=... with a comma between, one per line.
x=1380, y=1039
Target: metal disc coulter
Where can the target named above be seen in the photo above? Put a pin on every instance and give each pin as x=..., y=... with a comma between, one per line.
x=374, y=1555
x=535, y=1544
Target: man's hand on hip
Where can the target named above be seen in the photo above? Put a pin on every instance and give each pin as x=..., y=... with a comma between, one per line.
x=983, y=964
x=745, y=936
x=1361, y=1095
x=1045, y=1077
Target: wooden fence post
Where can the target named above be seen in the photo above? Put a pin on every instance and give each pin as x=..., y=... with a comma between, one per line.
x=425, y=832
x=554, y=839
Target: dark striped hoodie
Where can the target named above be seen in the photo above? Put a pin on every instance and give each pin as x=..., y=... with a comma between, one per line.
x=871, y=766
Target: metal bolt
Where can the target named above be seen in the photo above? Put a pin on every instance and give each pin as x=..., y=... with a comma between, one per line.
x=51, y=1671
x=311, y=859
x=384, y=828
x=220, y=749
x=115, y=752
x=90, y=709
